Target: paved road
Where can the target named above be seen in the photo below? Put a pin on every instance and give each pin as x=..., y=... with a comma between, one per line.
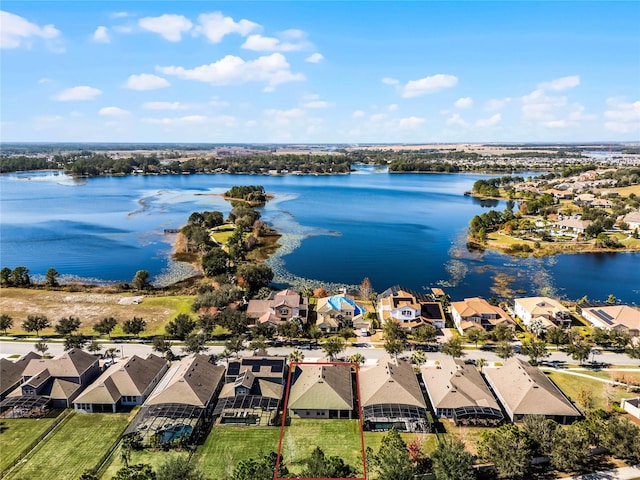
x=624, y=473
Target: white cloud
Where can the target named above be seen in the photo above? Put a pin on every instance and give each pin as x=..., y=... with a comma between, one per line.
x=119, y=14
x=561, y=83
x=260, y=43
x=316, y=104
x=101, y=35
x=171, y=27
x=146, y=81
x=432, y=84
x=489, y=122
x=390, y=81
x=357, y=114
x=621, y=116
x=251, y=123
x=164, y=106
x=79, y=93
x=284, y=117
x=539, y=107
x=392, y=107
x=112, y=112
x=456, y=119
x=218, y=103
x=44, y=80
x=43, y=122
x=16, y=31
x=464, y=102
x=215, y=26
x=231, y=70
x=188, y=119
x=496, y=104
x=314, y=58
x=410, y=122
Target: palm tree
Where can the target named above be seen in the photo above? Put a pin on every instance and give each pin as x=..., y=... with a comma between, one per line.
x=481, y=362
x=111, y=352
x=296, y=356
x=357, y=358
x=418, y=357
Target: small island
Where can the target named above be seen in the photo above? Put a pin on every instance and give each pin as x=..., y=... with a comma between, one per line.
x=580, y=209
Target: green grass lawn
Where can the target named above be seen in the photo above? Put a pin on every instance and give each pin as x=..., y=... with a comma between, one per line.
x=226, y=446
x=151, y=457
x=73, y=448
x=572, y=384
x=16, y=434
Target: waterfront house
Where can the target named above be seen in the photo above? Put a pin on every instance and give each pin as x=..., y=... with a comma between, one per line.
x=321, y=391
x=572, y=225
x=408, y=309
x=279, y=308
x=339, y=311
x=525, y=390
x=477, y=312
x=123, y=384
x=632, y=219
x=391, y=397
x=614, y=317
x=548, y=311
x=11, y=372
x=457, y=391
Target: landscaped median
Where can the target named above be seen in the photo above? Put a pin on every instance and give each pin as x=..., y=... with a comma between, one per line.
x=76, y=446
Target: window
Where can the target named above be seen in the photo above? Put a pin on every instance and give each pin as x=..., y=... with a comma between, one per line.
x=284, y=311
x=407, y=313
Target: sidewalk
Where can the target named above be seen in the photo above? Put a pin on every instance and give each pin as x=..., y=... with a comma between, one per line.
x=624, y=473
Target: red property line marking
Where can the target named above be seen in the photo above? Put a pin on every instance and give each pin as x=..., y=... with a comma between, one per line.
x=276, y=475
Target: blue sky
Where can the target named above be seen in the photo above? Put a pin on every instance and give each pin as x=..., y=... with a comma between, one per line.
x=320, y=72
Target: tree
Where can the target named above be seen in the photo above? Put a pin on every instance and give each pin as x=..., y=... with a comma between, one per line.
x=5, y=277
x=536, y=326
x=290, y=329
x=51, y=277
x=20, y=277
x=585, y=399
x=94, y=347
x=392, y=461
x=181, y=326
x=314, y=333
x=557, y=336
x=134, y=326
x=454, y=347
x=111, y=353
x=621, y=438
x=6, y=322
x=72, y=341
x=233, y=320
x=425, y=333
x=253, y=277
x=579, y=350
x=215, y=262
x=536, y=349
x=140, y=471
x=88, y=475
x=105, y=326
x=633, y=350
x=333, y=346
x=347, y=333
x=141, y=280
x=475, y=334
x=480, y=362
x=319, y=466
x=418, y=357
x=394, y=346
x=258, y=343
x=179, y=468
x=41, y=347
x=507, y=448
x=504, y=350
x=611, y=299
x=234, y=344
x=194, y=343
x=296, y=356
x=207, y=324
x=357, y=358
x=264, y=330
x=366, y=289
x=35, y=323
x=162, y=346
x=540, y=431
x=262, y=468
x=502, y=333
x=451, y=461
x=570, y=450
x=67, y=325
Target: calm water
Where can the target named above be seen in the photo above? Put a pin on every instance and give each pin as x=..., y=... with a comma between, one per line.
x=394, y=229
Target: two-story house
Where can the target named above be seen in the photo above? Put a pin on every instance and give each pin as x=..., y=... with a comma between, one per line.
x=339, y=311
x=408, y=309
x=477, y=312
x=278, y=308
x=547, y=311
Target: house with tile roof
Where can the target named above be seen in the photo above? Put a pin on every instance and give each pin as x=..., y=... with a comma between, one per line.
x=477, y=312
x=409, y=309
x=457, y=391
x=614, y=317
x=525, y=390
x=60, y=379
x=339, y=311
x=253, y=391
x=391, y=397
x=548, y=311
x=11, y=372
x=632, y=219
x=321, y=391
x=279, y=308
x=123, y=384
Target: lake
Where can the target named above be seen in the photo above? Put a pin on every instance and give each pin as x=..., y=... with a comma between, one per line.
x=406, y=229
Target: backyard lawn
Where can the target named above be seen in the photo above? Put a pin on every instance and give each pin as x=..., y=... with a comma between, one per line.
x=572, y=384
x=16, y=434
x=151, y=457
x=76, y=446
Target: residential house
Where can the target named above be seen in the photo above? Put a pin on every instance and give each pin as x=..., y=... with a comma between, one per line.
x=11, y=372
x=547, y=311
x=279, y=308
x=631, y=406
x=559, y=194
x=632, y=219
x=457, y=391
x=572, y=225
x=408, y=309
x=253, y=391
x=584, y=199
x=321, y=391
x=123, y=384
x=614, y=317
x=339, y=311
x=477, y=312
x=391, y=397
x=525, y=390
x=601, y=203
x=60, y=379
